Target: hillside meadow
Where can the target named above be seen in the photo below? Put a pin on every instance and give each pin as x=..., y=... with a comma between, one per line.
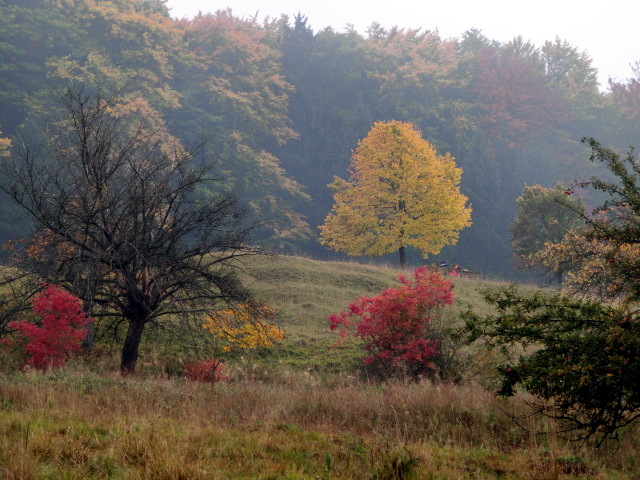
x=302, y=410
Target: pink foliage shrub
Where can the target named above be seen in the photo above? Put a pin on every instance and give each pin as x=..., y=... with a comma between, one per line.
x=59, y=331
x=206, y=371
x=394, y=326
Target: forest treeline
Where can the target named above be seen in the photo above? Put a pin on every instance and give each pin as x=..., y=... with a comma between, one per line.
x=280, y=106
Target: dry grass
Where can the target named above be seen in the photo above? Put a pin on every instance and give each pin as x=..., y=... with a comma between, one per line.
x=73, y=424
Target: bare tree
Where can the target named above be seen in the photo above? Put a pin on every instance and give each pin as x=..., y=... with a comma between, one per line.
x=136, y=231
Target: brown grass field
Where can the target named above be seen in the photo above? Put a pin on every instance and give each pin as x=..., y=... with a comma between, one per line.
x=300, y=411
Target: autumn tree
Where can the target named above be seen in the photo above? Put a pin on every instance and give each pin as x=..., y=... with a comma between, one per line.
x=579, y=354
x=400, y=194
x=395, y=326
x=616, y=223
x=232, y=70
x=602, y=257
x=544, y=216
x=413, y=70
x=591, y=265
x=126, y=226
x=513, y=93
x=570, y=72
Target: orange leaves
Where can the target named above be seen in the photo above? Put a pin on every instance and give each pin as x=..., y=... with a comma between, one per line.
x=41, y=246
x=241, y=71
x=36, y=248
x=594, y=267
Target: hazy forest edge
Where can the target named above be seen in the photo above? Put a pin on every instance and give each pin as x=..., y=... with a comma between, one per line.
x=281, y=107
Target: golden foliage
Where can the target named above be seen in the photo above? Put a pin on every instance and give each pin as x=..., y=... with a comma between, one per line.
x=5, y=146
x=248, y=326
x=400, y=193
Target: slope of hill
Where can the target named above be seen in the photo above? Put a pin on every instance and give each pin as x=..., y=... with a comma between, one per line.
x=305, y=292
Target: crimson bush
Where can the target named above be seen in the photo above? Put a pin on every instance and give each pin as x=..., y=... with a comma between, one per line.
x=58, y=332
x=206, y=371
x=394, y=326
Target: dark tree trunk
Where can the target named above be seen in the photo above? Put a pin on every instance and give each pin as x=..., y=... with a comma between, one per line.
x=131, y=345
x=90, y=336
x=403, y=257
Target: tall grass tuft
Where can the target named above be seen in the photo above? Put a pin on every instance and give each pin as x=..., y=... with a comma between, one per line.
x=76, y=424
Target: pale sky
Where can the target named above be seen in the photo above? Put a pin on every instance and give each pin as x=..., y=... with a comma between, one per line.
x=608, y=30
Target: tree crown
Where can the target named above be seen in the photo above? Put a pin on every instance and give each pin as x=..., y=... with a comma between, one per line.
x=400, y=193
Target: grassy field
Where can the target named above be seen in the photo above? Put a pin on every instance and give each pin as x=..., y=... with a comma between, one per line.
x=300, y=411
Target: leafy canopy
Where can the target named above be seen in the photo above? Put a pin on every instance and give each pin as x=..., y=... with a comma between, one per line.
x=400, y=194
x=602, y=259
x=544, y=216
x=580, y=359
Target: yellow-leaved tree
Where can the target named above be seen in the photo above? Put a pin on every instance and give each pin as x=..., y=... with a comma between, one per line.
x=248, y=326
x=400, y=194
x=5, y=146
x=243, y=326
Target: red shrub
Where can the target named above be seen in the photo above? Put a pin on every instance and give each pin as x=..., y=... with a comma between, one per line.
x=394, y=325
x=59, y=331
x=206, y=371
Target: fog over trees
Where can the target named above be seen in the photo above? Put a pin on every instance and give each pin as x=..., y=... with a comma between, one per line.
x=280, y=106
